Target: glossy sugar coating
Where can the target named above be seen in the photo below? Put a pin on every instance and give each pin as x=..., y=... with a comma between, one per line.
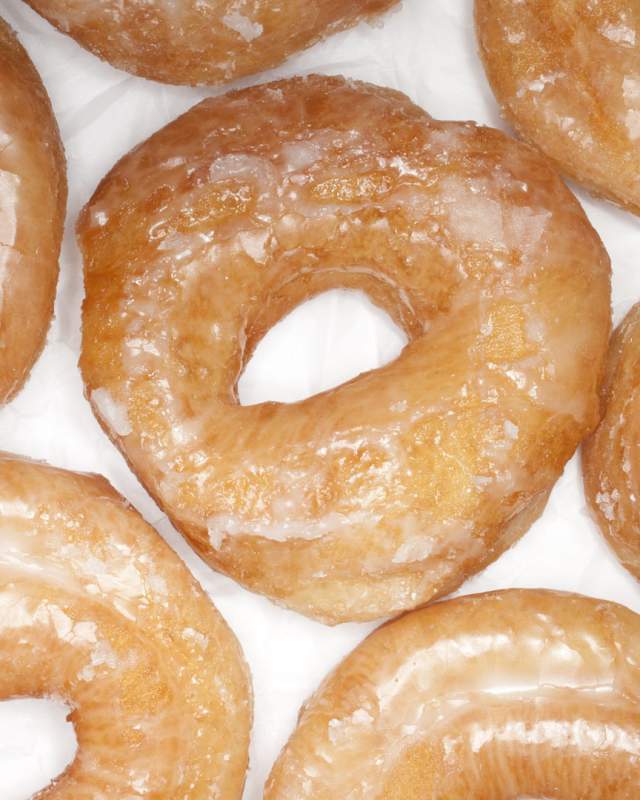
x=567, y=74
x=378, y=495
x=33, y=193
x=611, y=457
x=202, y=41
x=514, y=694
x=97, y=611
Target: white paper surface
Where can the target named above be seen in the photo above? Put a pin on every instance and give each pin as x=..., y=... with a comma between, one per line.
x=428, y=50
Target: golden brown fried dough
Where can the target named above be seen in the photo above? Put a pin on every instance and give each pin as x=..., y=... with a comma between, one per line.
x=610, y=459
x=506, y=695
x=33, y=192
x=567, y=75
x=385, y=492
x=196, y=42
x=96, y=610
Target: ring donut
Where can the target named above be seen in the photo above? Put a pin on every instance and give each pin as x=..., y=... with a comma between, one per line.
x=33, y=193
x=567, y=75
x=195, y=42
x=610, y=458
x=383, y=493
x=96, y=610
x=516, y=694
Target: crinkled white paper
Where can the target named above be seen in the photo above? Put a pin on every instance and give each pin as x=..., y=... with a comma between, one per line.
x=426, y=49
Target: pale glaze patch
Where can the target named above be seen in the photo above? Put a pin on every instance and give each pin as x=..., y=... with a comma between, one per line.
x=97, y=611
x=567, y=75
x=32, y=204
x=611, y=457
x=382, y=493
x=513, y=694
x=202, y=41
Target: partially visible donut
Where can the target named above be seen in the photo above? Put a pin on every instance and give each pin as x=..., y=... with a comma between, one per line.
x=97, y=611
x=385, y=492
x=195, y=42
x=516, y=694
x=611, y=457
x=33, y=192
x=567, y=75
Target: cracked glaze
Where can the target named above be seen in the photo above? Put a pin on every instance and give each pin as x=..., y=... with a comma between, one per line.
x=98, y=612
x=382, y=493
x=567, y=74
x=33, y=194
x=516, y=694
x=611, y=457
x=202, y=41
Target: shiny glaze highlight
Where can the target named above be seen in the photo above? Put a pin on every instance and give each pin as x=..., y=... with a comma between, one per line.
x=515, y=694
x=385, y=492
x=196, y=42
x=567, y=75
x=98, y=612
x=611, y=457
x=33, y=192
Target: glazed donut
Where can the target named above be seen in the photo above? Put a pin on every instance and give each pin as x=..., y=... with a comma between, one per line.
x=383, y=493
x=195, y=42
x=515, y=694
x=567, y=75
x=33, y=193
x=96, y=610
x=610, y=458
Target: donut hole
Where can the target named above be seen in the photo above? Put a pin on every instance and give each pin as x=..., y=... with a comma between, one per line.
x=37, y=744
x=322, y=343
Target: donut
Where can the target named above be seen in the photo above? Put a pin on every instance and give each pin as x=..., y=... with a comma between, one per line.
x=33, y=194
x=389, y=490
x=567, y=76
x=513, y=694
x=194, y=42
x=610, y=457
x=98, y=612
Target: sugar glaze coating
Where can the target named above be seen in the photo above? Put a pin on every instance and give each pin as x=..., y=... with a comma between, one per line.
x=202, y=41
x=97, y=611
x=33, y=193
x=378, y=495
x=515, y=694
x=567, y=75
x=611, y=457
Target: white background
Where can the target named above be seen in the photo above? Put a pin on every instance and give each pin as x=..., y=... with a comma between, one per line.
x=428, y=50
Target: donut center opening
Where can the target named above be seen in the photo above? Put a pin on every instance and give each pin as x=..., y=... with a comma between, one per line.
x=37, y=744
x=322, y=343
